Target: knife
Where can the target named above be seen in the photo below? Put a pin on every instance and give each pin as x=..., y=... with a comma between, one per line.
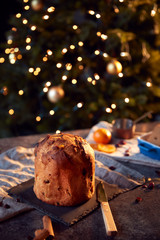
x=110, y=226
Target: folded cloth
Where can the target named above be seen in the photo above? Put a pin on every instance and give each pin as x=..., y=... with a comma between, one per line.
x=17, y=166
x=132, y=144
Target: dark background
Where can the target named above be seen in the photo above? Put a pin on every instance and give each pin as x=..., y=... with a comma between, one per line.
x=7, y=9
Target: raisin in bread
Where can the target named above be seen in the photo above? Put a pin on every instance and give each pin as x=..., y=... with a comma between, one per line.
x=64, y=170
x=154, y=138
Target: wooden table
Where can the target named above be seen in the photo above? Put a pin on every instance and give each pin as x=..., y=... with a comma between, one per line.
x=134, y=221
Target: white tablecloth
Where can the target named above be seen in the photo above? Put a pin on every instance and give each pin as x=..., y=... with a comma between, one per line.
x=131, y=144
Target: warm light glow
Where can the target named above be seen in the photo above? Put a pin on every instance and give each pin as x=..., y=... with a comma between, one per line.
x=75, y=27
x=12, y=61
x=98, y=15
x=48, y=84
x=38, y=118
x=89, y=79
x=79, y=59
x=104, y=37
x=28, y=40
x=9, y=41
x=68, y=66
x=20, y=92
x=11, y=111
x=153, y=13
x=31, y=70
x=28, y=47
x=24, y=21
x=96, y=76
x=16, y=49
x=2, y=60
x=124, y=54
x=58, y=131
x=38, y=69
x=19, y=57
x=18, y=15
x=105, y=55
x=49, y=52
x=51, y=9
x=36, y=73
x=33, y=28
x=148, y=84
x=126, y=100
x=81, y=67
x=27, y=7
x=12, y=56
x=14, y=29
x=113, y=106
x=45, y=59
x=97, y=52
x=94, y=82
x=45, y=89
x=108, y=110
x=51, y=112
x=120, y=74
x=45, y=17
x=72, y=47
x=25, y=1
x=59, y=65
x=64, y=77
x=13, y=50
x=91, y=12
x=114, y=67
x=64, y=50
x=7, y=50
x=99, y=34
x=116, y=10
x=74, y=81
x=5, y=90
x=80, y=43
x=80, y=104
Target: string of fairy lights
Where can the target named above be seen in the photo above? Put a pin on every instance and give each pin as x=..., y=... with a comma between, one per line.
x=55, y=93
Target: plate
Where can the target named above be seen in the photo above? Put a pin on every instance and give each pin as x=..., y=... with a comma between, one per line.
x=65, y=215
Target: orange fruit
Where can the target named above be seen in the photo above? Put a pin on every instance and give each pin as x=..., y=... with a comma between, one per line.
x=102, y=135
x=107, y=148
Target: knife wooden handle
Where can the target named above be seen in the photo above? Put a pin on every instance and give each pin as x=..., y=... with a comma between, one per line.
x=110, y=226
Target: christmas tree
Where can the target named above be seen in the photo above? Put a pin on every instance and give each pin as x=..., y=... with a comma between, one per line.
x=69, y=64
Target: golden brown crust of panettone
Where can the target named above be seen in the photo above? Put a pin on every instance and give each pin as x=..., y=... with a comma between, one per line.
x=64, y=170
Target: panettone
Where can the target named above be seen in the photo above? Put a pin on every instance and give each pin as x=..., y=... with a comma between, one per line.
x=64, y=170
x=154, y=138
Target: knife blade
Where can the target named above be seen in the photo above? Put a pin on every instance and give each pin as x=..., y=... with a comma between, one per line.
x=110, y=225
